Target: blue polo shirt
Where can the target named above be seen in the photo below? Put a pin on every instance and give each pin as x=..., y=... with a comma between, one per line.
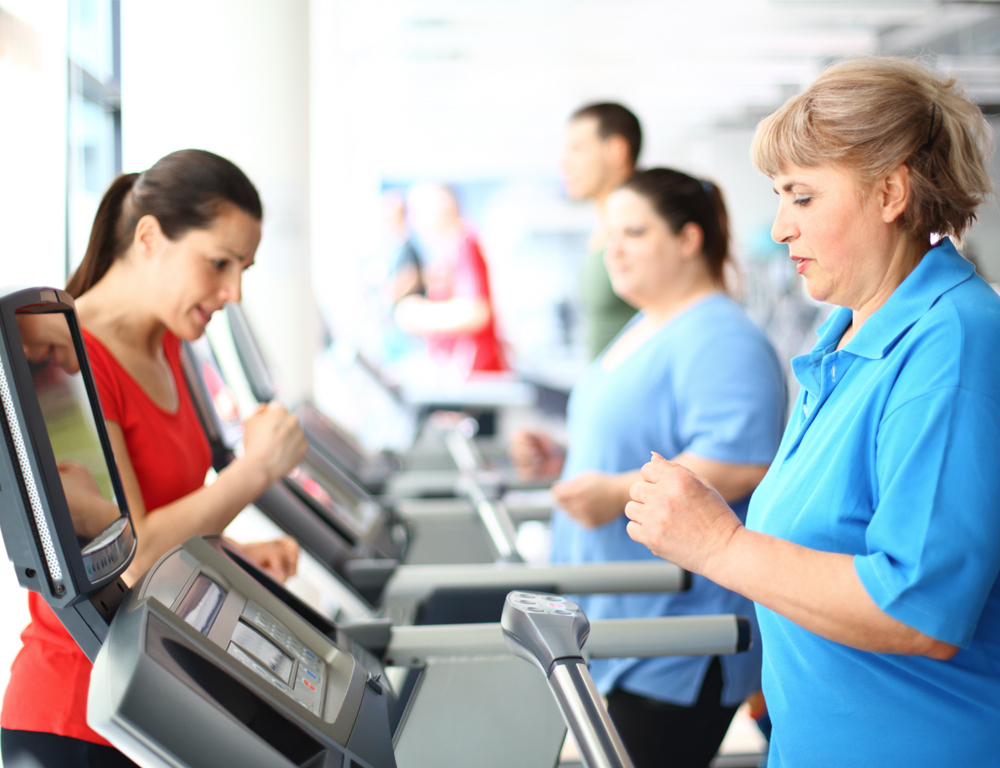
x=707, y=382
x=892, y=455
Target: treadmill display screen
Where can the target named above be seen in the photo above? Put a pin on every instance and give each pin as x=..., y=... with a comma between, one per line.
x=202, y=603
x=265, y=651
x=102, y=530
x=327, y=495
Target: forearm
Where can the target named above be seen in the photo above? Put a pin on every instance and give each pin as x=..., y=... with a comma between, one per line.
x=819, y=591
x=619, y=486
x=205, y=511
x=420, y=315
x=734, y=482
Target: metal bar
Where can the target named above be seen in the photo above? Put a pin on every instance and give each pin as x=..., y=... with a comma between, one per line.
x=416, y=582
x=587, y=716
x=609, y=639
x=495, y=517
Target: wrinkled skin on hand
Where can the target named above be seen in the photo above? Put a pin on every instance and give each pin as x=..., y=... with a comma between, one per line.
x=679, y=516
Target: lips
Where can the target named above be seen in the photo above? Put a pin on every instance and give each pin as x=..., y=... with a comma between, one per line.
x=205, y=314
x=801, y=263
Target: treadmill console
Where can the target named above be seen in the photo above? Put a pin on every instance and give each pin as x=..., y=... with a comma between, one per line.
x=63, y=514
x=251, y=680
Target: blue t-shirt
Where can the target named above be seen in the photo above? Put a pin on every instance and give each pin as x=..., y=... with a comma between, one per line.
x=892, y=455
x=707, y=382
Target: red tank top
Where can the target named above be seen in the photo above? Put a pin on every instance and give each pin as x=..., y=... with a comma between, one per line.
x=50, y=677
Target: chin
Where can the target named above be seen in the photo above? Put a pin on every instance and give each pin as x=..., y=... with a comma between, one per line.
x=818, y=292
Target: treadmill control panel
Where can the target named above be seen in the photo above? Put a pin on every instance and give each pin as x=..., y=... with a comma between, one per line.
x=264, y=644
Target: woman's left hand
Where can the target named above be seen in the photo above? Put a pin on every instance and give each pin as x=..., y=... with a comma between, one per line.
x=679, y=516
x=592, y=498
x=279, y=557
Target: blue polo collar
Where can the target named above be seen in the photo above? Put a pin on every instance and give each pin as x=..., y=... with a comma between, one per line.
x=940, y=270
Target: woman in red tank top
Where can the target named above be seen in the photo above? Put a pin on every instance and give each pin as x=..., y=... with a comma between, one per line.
x=167, y=249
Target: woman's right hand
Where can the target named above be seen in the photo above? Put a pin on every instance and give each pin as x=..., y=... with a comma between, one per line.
x=273, y=441
x=535, y=455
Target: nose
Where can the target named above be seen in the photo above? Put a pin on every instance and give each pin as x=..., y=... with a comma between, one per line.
x=613, y=245
x=783, y=230
x=232, y=288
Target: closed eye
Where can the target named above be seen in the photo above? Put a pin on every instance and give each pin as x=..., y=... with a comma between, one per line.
x=635, y=231
x=804, y=200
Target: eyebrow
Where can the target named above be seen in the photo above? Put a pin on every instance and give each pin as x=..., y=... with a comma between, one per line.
x=239, y=257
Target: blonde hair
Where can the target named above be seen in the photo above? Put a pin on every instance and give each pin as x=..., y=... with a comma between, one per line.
x=874, y=114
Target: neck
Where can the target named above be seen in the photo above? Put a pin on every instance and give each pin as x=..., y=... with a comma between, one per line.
x=615, y=179
x=683, y=294
x=115, y=310
x=905, y=256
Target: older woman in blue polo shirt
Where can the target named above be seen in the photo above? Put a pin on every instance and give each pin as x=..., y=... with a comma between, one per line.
x=691, y=377
x=872, y=546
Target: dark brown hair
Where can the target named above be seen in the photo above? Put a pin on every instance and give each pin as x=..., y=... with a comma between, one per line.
x=183, y=191
x=614, y=120
x=680, y=199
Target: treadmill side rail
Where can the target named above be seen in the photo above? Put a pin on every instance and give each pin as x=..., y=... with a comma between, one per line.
x=413, y=584
x=609, y=639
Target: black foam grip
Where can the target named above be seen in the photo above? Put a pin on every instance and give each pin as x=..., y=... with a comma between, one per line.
x=744, y=635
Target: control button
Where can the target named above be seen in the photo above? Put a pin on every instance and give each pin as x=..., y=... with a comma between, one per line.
x=310, y=654
x=311, y=674
x=308, y=685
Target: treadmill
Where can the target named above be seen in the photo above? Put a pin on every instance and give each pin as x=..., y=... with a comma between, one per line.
x=415, y=473
x=207, y=662
x=322, y=515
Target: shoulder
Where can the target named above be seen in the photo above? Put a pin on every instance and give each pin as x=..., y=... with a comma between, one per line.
x=718, y=332
x=956, y=343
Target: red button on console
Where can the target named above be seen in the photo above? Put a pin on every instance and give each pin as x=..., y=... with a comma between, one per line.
x=308, y=685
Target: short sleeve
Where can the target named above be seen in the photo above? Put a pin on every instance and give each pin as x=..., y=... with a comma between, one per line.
x=731, y=400
x=933, y=542
x=108, y=389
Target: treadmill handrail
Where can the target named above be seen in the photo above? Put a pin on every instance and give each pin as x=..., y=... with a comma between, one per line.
x=609, y=639
x=587, y=715
x=495, y=517
x=416, y=582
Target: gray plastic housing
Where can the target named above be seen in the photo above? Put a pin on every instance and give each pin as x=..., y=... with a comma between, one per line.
x=222, y=711
x=543, y=628
x=35, y=519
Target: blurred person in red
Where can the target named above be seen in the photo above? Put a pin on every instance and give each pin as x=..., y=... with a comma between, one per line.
x=456, y=317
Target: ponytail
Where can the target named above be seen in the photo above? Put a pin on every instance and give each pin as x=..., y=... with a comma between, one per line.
x=105, y=244
x=182, y=191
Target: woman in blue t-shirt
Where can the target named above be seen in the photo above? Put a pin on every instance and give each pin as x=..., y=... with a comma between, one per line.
x=689, y=377
x=872, y=546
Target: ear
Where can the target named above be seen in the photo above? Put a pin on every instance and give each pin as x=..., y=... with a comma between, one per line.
x=692, y=239
x=617, y=151
x=894, y=193
x=148, y=237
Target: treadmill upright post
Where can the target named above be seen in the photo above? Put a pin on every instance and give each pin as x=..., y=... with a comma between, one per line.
x=549, y=631
x=587, y=716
